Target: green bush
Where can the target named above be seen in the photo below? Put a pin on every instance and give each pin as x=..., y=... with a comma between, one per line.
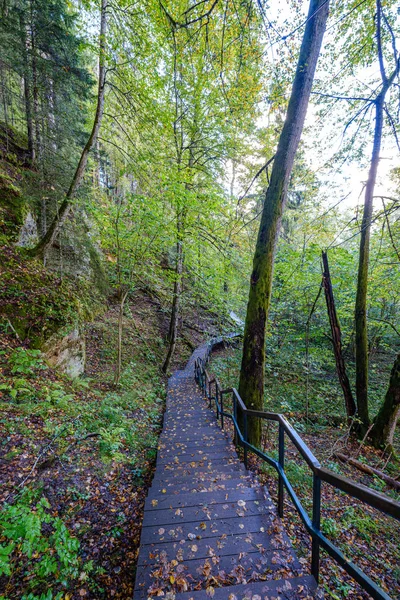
x=38, y=543
x=26, y=362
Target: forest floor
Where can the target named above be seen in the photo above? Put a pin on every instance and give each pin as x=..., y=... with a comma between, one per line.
x=81, y=454
x=77, y=458
x=365, y=535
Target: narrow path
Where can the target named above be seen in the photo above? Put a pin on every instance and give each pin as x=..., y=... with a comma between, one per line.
x=210, y=530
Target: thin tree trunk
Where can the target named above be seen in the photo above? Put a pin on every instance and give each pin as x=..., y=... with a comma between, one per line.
x=337, y=340
x=35, y=88
x=361, y=338
x=4, y=96
x=173, y=324
x=118, y=366
x=386, y=420
x=251, y=386
x=63, y=212
x=27, y=89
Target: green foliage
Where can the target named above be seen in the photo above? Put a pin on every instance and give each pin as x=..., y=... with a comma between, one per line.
x=122, y=436
x=42, y=542
x=25, y=361
x=180, y=143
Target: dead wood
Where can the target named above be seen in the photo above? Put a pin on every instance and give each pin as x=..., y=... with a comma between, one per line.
x=369, y=470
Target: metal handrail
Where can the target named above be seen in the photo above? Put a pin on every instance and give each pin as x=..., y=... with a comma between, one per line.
x=320, y=474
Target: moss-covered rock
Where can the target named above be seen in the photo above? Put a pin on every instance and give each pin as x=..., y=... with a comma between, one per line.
x=37, y=304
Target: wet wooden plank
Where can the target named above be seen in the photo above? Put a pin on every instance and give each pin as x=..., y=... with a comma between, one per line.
x=225, y=510
x=207, y=498
x=235, y=545
x=185, y=470
x=228, y=569
x=166, y=458
x=297, y=588
x=215, y=485
x=204, y=528
x=194, y=445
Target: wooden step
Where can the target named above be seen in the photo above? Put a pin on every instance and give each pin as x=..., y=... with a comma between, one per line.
x=296, y=588
x=210, y=530
x=244, y=494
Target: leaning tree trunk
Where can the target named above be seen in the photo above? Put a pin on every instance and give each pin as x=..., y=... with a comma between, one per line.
x=251, y=386
x=173, y=324
x=48, y=239
x=337, y=340
x=385, y=421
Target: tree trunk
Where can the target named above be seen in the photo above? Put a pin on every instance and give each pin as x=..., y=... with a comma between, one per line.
x=251, y=386
x=361, y=341
x=385, y=421
x=118, y=366
x=337, y=340
x=35, y=87
x=173, y=324
x=59, y=220
x=27, y=88
x=4, y=97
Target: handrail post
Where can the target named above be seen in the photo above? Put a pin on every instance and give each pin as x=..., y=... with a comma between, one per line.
x=235, y=415
x=222, y=406
x=210, y=394
x=316, y=522
x=281, y=491
x=245, y=437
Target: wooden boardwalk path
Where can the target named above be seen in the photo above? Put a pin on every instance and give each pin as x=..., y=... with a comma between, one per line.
x=210, y=530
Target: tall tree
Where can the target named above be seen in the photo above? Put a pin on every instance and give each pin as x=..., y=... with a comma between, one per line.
x=27, y=87
x=362, y=278
x=62, y=213
x=251, y=385
x=214, y=86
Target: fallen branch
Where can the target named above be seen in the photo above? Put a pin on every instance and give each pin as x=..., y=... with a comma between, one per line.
x=364, y=439
x=46, y=464
x=14, y=330
x=367, y=469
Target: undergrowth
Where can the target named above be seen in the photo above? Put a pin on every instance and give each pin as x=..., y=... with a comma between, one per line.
x=313, y=403
x=55, y=431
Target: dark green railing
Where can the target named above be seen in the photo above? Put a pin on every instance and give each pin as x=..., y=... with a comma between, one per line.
x=320, y=474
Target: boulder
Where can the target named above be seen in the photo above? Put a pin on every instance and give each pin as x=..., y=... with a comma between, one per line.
x=67, y=353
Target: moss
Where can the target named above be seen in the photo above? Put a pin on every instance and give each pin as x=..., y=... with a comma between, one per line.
x=12, y=205
x=37, y=302
x=15, y=140
x=99, y=275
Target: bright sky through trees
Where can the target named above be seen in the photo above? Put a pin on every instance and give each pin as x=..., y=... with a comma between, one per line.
x=324, y=139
